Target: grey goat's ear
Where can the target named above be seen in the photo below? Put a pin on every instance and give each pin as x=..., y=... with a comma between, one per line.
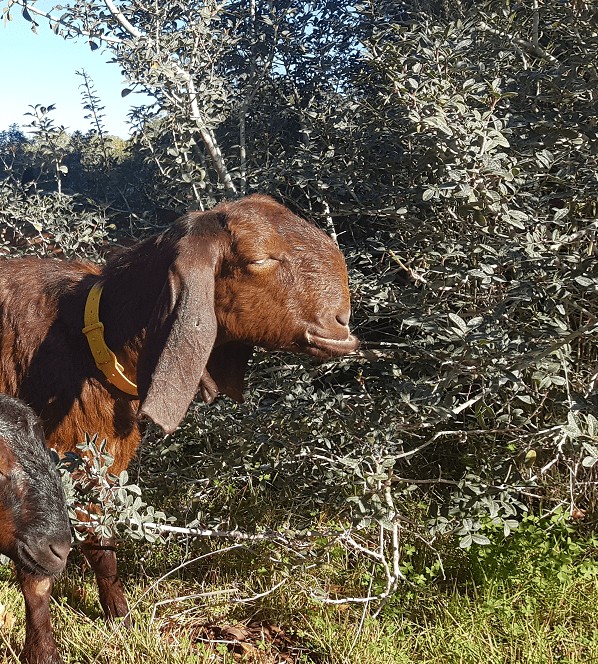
x=180, y=335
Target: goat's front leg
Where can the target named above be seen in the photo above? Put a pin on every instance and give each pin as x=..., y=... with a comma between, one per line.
x=101, y=555
x=40, y=647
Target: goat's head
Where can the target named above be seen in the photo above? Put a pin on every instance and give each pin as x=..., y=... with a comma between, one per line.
x=34, y=526
x=282, y=283
x=246, y=273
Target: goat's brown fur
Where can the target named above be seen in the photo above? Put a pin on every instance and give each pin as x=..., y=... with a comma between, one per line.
x=182, y=312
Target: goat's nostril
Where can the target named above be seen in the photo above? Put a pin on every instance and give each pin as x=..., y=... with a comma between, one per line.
x=343, y=318
x=60, y=550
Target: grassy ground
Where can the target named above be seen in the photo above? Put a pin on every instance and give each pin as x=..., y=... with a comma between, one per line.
x=196, y=618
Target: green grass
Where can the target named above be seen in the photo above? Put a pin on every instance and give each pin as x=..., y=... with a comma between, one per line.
x=526, y=620
x=493, y=626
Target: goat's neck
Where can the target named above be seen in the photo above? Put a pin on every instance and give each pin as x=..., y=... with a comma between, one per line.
x=132, y=285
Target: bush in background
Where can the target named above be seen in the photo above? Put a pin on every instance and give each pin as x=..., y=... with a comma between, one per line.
x=452, y=152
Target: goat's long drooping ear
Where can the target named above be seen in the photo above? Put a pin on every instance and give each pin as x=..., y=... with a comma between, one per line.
x=180, y=336
x=225, y=372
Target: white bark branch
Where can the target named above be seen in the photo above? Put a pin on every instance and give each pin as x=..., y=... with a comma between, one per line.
x=208, y=532
x=207, y=136
x=122, y=19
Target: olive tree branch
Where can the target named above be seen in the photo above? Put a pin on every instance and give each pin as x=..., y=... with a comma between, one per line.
x=528, y=46
x=61, y=21
x=206, y=135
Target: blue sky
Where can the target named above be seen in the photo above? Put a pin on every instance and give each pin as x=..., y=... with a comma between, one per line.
x=40, y=69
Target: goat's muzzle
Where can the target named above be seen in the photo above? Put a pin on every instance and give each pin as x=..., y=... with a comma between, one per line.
x=45, y=557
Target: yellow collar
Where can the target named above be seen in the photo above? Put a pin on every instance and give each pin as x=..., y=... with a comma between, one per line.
x=105, y=359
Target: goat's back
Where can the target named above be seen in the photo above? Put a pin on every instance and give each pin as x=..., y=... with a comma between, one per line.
x=34, y=293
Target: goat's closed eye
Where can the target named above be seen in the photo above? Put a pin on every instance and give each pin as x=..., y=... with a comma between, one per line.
x=263, y=262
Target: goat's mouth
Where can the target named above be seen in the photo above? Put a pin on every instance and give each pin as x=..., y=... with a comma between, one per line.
x=326, y=347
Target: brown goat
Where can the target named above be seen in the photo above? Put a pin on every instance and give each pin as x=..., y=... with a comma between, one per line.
x=182, y=312
x=34, y=526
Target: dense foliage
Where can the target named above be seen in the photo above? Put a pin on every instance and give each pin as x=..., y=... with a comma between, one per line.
x=453, y=152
